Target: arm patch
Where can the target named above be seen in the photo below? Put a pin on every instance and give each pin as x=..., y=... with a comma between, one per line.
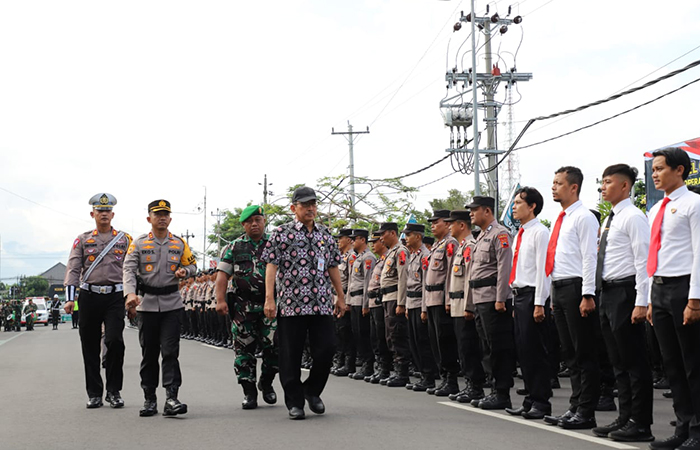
x=503, y=240
x=450, y=249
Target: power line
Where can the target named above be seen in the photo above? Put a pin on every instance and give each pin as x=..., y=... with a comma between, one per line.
x=414, y=172
x=43, y=206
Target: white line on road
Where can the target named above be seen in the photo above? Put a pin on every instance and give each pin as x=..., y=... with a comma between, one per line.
x=212, y=346
x=541, y=426
x=8, y=340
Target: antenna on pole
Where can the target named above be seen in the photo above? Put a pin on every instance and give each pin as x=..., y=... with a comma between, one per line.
x=349, y=135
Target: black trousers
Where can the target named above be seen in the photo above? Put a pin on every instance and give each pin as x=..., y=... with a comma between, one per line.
x=361, y=334
x=55, y=317
x=679, y=349
x=419, y=343
x=531, y=343
x=75, y=319
x=443, y=341
x=159, y=335
x=578, y=345
x=96, y=309
x=497, y=329
x=397, y=337
x=291, y=335
x=346, y=343
x=469, y=350
x=377, y=330
x=627, y=352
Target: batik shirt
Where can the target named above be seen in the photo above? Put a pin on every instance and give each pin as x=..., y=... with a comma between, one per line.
x=302, y=257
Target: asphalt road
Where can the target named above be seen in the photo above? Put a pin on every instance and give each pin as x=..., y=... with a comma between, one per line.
x=43, y=407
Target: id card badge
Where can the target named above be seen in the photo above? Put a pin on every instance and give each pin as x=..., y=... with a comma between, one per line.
x=321, y=264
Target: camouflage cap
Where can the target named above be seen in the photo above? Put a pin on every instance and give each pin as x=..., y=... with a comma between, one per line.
x=250, y=211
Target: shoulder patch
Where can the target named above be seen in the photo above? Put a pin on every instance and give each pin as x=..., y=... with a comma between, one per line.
x=425, y=263
x=450, y=249
x=503, y=240
x=402, y=257
x=132, y=247
x=368, y=264
x=76, y=242
x=467, y=254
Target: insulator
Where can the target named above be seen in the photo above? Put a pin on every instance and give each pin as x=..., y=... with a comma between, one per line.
x=494, y=18
x=517, y=19
x=457, y=26
x=469, y=17
x=504, y=29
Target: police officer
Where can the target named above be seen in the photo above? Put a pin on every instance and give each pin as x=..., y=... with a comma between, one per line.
x=468, y=342
x=416, y=312
x=393, y=289
x=373, y=305
x=55, y=311
x=154, y=263
x=358, y=289
x=437, y=285
x=95, y=268
x=346, y=352
x=491, y=297
x=240, y=262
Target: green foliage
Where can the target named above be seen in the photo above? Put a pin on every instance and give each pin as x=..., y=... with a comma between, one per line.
x=455, y=200
x=639, y=194
x=546, y=223
x=604, y=209
x=34, y=286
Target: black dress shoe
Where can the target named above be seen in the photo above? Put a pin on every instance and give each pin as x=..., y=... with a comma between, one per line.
x=609, y=428
x=497, y=401
x=690, y=444
x=173, y=406
x=521, y=391
x=578, y=422
x=669, y=443
x=632, y=432
x=535, y=414
x=554, y=420
x=516, y=411
x=150, y=408
x=315, y=404
x=662, y=384
x=94, y=402
x=268, y=393
x=249, y=402
x=606, y=403
x=667, y=394
x=114, y=399
x=296, y=413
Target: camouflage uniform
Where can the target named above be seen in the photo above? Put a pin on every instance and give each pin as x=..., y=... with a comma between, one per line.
x=241, y=260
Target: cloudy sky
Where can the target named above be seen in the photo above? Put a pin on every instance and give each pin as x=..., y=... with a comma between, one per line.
x=155, y=99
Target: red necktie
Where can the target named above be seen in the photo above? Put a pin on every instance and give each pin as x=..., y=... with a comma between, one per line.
x=515, y=256
x=655, y=243
x=552, y=247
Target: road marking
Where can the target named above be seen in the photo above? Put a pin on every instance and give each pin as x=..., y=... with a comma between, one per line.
x=550, y=428
x=213, y=346
x=8, y=340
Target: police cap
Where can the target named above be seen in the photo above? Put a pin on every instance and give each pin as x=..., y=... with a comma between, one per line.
x=103, y=201
x=479, y=200
x=387, y=226
x=159, y=205
x=440, y=214
x=358, y=232
x=459, y=214
x=428, y=240
x=414, y=228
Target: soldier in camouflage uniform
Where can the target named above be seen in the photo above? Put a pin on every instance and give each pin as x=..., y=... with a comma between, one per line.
x=241, y=261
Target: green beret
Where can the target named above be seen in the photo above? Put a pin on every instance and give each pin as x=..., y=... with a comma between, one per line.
x=250, y=211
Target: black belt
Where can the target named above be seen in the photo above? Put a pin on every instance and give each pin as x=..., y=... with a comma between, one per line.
x=390, y=289
x=627, y=281
x=523, y=290
x=165, y=290
x=373, y=294
x=357, y=292
x=411, y=294
x=435, y=287
x=671, y=280
x=458, y=294
x=483, y=282
x=566, y=281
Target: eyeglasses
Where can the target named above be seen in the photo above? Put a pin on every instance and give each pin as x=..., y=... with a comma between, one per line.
x=308, y=205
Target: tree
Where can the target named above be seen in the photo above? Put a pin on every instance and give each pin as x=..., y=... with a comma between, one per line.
x=455, y=200
x=639, y=194
x=34, y=286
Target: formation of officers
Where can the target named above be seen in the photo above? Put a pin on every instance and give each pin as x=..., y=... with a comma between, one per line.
x=476, y=302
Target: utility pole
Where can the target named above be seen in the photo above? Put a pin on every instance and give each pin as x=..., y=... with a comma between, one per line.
x=187, y=236
x=204, y=239
x=265, y=191
x=349, y=135
x=219, y=215
x=460, y=115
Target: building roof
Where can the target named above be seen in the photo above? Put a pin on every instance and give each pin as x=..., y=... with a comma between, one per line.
x=56, y=274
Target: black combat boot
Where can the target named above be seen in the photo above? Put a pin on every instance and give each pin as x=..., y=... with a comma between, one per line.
x=451, y=387
x=172, y=404
x=250, y=395
x=365, y=371
x=150, y=405
x=426, y=382
x=265, y=386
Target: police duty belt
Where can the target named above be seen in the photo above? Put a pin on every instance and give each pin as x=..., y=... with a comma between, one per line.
x=101, y=256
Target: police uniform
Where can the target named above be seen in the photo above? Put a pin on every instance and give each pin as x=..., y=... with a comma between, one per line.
x=393, y=289
x=437, y=285
x=358, y=288
x=488, y=283
x=418, y=337
x=149, y=271
x=95, y=268
x=467, y=337
x=241, y=260
x=378, y=336
x=346, y=351
x=55, y=312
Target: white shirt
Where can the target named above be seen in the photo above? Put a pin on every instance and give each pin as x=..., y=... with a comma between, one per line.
x=532, y=256
x=680, y=238
x=628, y=248
x=577, y=247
